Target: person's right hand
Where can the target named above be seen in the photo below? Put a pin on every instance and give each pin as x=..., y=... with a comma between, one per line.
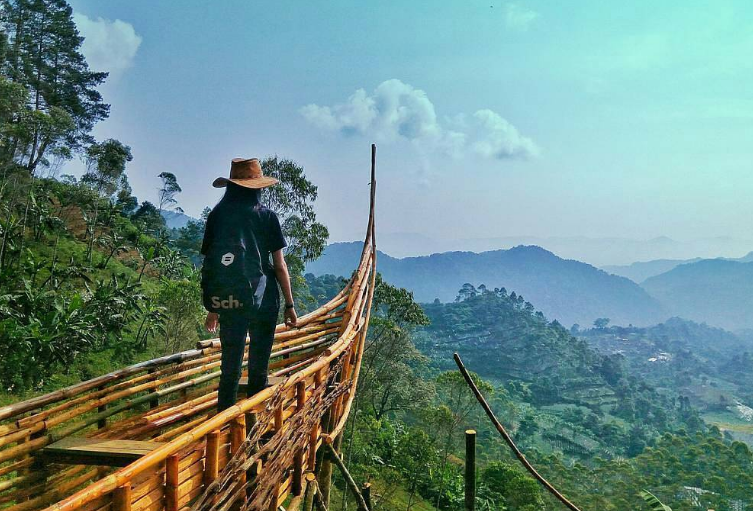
x=211, y=322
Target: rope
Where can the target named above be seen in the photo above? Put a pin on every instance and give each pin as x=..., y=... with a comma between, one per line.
x=508, y=439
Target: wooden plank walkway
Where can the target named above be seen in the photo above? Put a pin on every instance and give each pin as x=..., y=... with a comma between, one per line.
x=98, y=451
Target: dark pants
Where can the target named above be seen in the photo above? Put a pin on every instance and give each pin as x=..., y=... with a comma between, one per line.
x=233, y=329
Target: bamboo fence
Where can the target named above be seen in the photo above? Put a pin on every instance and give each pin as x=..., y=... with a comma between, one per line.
x=171, y=401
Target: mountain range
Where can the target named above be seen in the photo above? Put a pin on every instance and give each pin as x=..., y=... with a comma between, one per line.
x=640, y=271
x=716, y=291
x=598, y=251
x=566, y=290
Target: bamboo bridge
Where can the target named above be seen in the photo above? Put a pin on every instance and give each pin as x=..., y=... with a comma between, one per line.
x=147, y=438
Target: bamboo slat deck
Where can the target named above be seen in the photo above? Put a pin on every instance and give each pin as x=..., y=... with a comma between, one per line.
x=172, y=400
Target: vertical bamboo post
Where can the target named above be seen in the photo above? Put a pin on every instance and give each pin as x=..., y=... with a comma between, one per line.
x=300, y=394
x=275, y=497
x=314, y=438
x=237, y=436
x=470, y=470
x=308, y=499
x=101, y=423
x=366, y=492
x=153, y=403
x=212, y=462
x=325, y=474
x=171, y=483
x=278, y=418
x=250, y=421
x=121, y=498
x=237, y=433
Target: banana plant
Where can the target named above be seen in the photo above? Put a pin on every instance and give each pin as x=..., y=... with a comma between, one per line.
x=654, y=504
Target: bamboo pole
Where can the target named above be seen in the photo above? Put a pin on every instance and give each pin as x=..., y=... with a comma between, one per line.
x=74, y=390
x=348, y=479
x=470, y=470
x=508, y=439
x=121, y=498
x=308, y=499
x=212, y=463
x=171, y=482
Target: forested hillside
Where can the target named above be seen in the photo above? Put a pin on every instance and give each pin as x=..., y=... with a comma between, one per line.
x=708, y=367
x=599, y=431
x=569, y=291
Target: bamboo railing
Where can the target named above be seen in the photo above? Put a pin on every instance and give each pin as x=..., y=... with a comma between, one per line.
x=172, y=401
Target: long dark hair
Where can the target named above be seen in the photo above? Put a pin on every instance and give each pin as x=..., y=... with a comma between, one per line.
x=241, y=194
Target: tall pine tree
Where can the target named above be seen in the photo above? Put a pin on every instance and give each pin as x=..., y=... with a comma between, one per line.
x=42, y=53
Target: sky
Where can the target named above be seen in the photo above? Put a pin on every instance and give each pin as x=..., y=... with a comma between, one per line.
x=492, y=119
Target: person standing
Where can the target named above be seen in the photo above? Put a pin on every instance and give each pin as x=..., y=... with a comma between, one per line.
x=241, y=208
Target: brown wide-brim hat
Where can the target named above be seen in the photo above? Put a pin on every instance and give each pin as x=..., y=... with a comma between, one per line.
x=247, y=173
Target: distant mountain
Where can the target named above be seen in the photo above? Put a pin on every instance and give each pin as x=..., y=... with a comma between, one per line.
x=176, y=219
x=716, y=291
x=640, y=271
x=569, y=291
x=596, y=251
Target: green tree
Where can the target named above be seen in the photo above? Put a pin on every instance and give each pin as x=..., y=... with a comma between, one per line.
x=43, y=55
x=519, y=491
x=166, y=194
x=293, y=201
x=601, y=323
x=106, y=163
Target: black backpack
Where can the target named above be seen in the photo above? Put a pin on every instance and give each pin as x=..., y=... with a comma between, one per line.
x=232, y=277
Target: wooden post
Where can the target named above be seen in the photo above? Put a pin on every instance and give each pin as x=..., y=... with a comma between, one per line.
x=212, y=462
x=300, y=394
x=348, y=478
x=278, y=418
x=237, y=436
x=237, y=433
x=121, y=498
x=308, y=499
x=250, y=421
x=171, y=483
x=366, y=492
x=470, y=470
x=153, y=403
x=325, y=471
x=101, y=423
x=275, y=497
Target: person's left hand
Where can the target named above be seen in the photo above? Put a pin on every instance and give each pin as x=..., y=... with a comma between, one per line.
x=291, y=318
x=211, y=322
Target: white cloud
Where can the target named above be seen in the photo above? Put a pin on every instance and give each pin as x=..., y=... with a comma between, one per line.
x=499, y=139
x=108, y=45
x=397, y=110
x=518, y=17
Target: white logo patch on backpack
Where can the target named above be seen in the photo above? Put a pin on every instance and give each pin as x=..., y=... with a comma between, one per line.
x=228, y=259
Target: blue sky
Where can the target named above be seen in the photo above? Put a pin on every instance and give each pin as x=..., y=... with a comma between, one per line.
x=492, y=118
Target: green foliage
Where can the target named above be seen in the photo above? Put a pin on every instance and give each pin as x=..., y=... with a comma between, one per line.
x=170, y=188
x=654, y=503
x=181, y=302
x=62, y=103
x=293, y=201
x=513, y=486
